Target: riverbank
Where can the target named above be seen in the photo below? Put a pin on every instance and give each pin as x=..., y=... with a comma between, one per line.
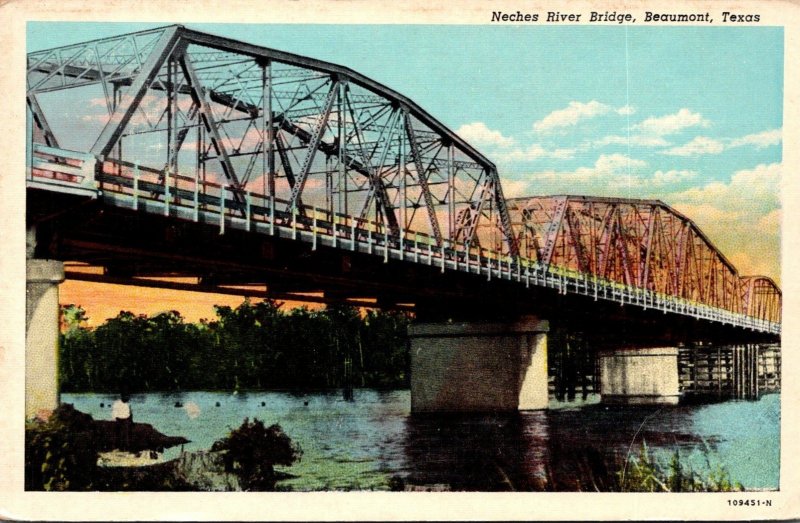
x=63, y=451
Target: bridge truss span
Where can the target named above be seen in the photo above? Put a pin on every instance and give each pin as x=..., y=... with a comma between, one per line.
x=204, y=129
x=189, y=105
x=643, y=244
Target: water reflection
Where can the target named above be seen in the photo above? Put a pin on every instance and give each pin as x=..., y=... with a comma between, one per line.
x=372, y=442
x=478, y=452
x=557, y=450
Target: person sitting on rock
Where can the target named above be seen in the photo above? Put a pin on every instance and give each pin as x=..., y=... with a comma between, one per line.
x=121, y=413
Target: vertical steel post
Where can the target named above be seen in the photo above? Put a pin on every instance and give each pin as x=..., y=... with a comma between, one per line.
x=294, y=222
x=196, y=216
x=171, y=125
x=247, y=210
x=342, y=121
x=222, y=209
x=136, y=187
x=166, y=193
x=451, y=193
x=269, y=125
x=29, y=123
x=314, y=227
x=272, y=215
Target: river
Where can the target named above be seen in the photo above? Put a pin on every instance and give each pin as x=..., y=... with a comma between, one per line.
x=373, y=443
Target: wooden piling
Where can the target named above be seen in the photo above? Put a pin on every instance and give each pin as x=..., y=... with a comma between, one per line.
x=729, y=372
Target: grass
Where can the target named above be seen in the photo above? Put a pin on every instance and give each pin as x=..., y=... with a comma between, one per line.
x=646, y=473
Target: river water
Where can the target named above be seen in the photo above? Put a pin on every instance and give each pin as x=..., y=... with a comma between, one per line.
x=373, y=443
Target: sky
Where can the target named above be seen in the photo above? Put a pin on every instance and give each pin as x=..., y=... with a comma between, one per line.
x=688, y=115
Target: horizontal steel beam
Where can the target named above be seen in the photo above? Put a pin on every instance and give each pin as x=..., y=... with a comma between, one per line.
x=214, y=289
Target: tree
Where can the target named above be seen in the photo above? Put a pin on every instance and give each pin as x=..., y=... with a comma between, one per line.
x=252, y=346
x=77, y=350
x=253, y=450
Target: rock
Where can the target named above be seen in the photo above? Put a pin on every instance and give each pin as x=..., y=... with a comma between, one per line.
x=205, y=470
x=143, y=437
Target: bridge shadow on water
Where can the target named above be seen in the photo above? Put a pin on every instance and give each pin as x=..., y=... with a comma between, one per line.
x=556, y=450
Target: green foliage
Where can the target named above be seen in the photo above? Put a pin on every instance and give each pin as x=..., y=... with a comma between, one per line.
x=60, y=454
x=252, y=346
x=252, y=451
x=645, y=473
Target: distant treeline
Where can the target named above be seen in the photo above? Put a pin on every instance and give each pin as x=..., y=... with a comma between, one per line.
x=252, y=346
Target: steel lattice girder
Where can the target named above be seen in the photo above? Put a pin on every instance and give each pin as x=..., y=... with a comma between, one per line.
x=641, y=243
x=201, y=106
x=761, y=298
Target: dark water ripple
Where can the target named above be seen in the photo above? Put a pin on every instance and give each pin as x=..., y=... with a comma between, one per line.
x=373, y=443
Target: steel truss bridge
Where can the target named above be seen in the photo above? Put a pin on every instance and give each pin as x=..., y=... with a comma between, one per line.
x=152, y=133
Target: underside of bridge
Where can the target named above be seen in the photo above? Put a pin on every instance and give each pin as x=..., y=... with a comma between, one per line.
x=208, y=164
x=151, y=250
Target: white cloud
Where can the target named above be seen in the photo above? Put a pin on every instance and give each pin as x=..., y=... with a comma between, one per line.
x=478, y=133
x=770, y=221
x=749, y=190
x=759, y=140
x=663, y=178
x=536, y=152
x=612, y=163
x=699, y=145
x=626, y=110
x=515, y=188
x=704, y=145
x=563, y=153
x=741, y=217
x=570, y=115
x=671, y=123
x=639, y=140
x=611, y=175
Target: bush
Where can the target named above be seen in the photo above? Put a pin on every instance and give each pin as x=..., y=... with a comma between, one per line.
x=60, y=454
x=252, y=451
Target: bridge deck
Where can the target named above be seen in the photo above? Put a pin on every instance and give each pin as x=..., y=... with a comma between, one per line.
x=210, y=203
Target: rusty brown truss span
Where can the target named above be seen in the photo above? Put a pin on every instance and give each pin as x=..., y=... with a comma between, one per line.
x=640, y=243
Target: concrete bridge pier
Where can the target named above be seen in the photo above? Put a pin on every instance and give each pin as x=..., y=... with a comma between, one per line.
x=479, y=367
x=41, y=332
x=639, y=376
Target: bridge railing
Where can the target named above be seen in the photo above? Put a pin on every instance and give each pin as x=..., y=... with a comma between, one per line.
x=71, y=170
x=154, y=191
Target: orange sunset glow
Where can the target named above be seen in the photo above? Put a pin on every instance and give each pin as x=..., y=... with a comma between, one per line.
x=105, y=300
x=102, y=300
